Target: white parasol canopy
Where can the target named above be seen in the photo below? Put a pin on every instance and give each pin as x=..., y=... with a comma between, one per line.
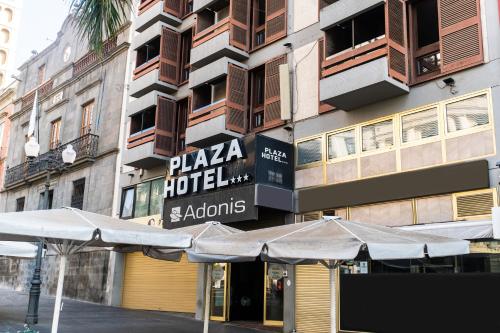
x=68, y=230
x=18, y=249
x=330, y=241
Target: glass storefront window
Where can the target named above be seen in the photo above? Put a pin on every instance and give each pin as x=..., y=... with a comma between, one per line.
x=156, y=196
x=419, y=125
x=467, y=113
x=342, y=144
x=377, y=136
x=128, y=203
x=142, y=199
x=218, y=292
x=274, y=293
x=309, y=151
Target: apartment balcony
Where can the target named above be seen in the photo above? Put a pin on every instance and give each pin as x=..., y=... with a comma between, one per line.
x=342, y=10
x=212, y=71
x=213, y=124
x=140, y=152
x=147, y=79
x=86, y=152
x=154, y=11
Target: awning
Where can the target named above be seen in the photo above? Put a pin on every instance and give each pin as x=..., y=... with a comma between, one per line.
x=462, y=230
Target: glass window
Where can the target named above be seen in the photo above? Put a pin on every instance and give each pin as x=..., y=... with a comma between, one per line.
x=420, y=125
x=142, y=199
x=468, y=113
x=128, y=203
x=342, y=144
x=156, y=196
x=309, y=151
x=377, y=136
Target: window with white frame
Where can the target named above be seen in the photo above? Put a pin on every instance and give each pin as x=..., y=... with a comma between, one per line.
x=467, y=113
x=143, y=199
x=309, y=151
x=342, y=144
x=378, y=135
x=419, y=125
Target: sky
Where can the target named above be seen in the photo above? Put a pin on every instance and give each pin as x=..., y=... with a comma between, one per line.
x=40, y=22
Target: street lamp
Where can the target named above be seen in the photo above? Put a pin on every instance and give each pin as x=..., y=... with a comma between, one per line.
x=32, y=149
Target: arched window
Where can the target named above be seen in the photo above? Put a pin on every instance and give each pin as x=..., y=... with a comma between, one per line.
x=7, y=15
x=4, y=36
x=3, y=57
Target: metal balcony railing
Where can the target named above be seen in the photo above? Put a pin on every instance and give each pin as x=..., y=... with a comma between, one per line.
x=85, y=148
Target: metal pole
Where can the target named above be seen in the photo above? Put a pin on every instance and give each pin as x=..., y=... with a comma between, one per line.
x=208, y=288
x=36, y=282
x=333, y=299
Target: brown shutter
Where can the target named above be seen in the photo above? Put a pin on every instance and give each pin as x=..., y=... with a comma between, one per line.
x=272, y=107
x=165, y=127
x=240, y=17
x=172, y=7
x=236, y=99
x=169, y=56
x=395, y=11
x=275, y=19
x=459, y=34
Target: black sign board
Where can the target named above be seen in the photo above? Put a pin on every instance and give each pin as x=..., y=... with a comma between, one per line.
x=273, y=162
x=232, y=205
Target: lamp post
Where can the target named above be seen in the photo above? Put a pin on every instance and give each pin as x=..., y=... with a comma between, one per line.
x=32, y=149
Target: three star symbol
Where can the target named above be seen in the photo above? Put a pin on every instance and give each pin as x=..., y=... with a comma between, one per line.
x=240, y=178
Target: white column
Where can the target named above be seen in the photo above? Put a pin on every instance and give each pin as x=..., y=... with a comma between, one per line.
x=333, y=300
x=60, y=285
x=208, y=289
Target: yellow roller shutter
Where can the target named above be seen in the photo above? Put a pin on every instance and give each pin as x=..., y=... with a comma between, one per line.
x=151, y=284
x=312, y=299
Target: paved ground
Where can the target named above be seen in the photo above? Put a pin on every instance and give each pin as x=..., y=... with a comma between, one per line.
x=80, y=317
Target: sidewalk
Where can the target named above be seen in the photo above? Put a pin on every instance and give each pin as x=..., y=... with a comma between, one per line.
x=81, y=317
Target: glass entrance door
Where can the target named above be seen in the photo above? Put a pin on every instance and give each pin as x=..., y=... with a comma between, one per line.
x=274, y=279
x=219, y=295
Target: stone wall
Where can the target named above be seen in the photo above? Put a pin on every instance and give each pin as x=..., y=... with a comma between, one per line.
x=85, y=278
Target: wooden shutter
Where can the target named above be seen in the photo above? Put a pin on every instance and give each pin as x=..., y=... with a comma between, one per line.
x=272, y=107
x=395, y=13
x=275, y=19
x=459, y=34
x=172, y=7
x=165, y=127
x=169, y=56
x=236, y=99
x=240, y=17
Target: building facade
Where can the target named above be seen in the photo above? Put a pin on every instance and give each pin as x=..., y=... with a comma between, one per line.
x=392, y=109
x=79, y=97
x=7, y=97
x=10, y=17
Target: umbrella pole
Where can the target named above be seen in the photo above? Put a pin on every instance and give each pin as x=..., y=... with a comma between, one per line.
x=60, y=285
x=333, y=300
x=208, y=288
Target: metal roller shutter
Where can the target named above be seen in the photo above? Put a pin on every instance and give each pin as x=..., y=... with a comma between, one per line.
x=312, y=299
x=151, y=284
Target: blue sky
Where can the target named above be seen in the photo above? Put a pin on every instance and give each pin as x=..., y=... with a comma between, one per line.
x=40, y=22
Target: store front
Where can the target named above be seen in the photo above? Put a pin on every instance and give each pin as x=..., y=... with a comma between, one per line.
x=248, y=184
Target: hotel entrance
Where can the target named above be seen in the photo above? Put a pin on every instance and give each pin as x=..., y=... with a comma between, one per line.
x=248, y=292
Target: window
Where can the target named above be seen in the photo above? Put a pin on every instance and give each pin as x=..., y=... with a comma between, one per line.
x=419, y=125
x=357, y=32
x=148, y=52
x=342, y=144
x=259, y=23
x=4, y=36
x=55, y=134
x=86, y=124
x=309, y=151
x=210, y=16
x=186, y=45
x=7, y=15
x=41, y=75
x=187, y=7
x=377, y=136
x=144, y=199
x=467, y=113
x=182, y=119
x=41, y=202
x=210, y=93
x=20, y=204
x=1, y=135
x=426, y=32
x=78, y=193
x=3, y=57
x=143, y=121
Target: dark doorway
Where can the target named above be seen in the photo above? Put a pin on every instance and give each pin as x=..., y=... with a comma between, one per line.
x=247, y=291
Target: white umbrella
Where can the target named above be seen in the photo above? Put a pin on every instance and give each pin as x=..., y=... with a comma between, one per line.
x=18, y=249
x=68, y=230
x=197, y=232
x=330, y=241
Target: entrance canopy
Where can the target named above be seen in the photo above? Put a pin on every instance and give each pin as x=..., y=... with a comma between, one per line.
x=17, y=249
x=332, y=239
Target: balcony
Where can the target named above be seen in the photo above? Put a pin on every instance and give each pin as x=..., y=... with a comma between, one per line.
x=222, y=31
x=140, y=152
x=213, y=124
x=86, y=151
x=153, y=11
x=212, y=71
x=92, y=58
x=342, y=10
x=43, y=90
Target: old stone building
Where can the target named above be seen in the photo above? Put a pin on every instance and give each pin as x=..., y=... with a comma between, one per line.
x=80, y=98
